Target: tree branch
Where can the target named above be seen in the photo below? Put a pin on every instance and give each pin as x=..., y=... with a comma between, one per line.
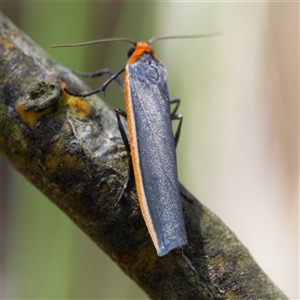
x=70, y=149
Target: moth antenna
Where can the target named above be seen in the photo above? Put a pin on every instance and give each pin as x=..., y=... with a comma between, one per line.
x=95, y=42
x=191, y=36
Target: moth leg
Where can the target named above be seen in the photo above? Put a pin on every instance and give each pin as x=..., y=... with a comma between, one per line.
x=177, y=134
x=99, y=73
x=186, y=194
x=174, y=116
x=183, y=191
x=100, y=89
x=129, y=179
x=177, y=102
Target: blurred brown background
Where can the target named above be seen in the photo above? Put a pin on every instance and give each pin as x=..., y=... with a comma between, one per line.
x=238, y=151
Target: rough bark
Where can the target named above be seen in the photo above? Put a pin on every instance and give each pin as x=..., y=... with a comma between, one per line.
x=70, y=148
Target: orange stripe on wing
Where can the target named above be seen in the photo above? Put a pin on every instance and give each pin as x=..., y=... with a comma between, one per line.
x=135, y=159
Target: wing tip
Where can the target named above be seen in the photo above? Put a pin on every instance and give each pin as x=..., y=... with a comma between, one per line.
x=164, y=249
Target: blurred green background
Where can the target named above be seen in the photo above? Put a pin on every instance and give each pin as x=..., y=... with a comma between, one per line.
x=238, y=151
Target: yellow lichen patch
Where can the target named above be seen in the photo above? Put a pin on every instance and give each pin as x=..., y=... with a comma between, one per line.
x=7, y=45
x=72, y=161
x=30, y=117
x=67, y=127
x=230, y=295
x=51, y=162
x=62, y=85
x=66, y=161
x=79, y=107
